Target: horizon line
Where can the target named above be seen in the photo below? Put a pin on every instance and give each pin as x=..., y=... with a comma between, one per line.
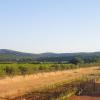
x=52, y=51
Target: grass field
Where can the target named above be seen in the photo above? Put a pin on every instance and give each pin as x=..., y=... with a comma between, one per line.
x=24, y=69
x=19, y=85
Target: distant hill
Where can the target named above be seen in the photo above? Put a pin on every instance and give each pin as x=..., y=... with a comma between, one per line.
x=10, y=55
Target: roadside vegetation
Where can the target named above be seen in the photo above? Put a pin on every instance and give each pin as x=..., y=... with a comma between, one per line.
x=53, y=91
x=57, y=84
x=29, y=66
x=25, y=69
x=61, y=91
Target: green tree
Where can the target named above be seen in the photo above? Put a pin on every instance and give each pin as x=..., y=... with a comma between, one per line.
x=77, y=60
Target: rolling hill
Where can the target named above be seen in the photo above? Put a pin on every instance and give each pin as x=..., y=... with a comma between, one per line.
x=10, y=55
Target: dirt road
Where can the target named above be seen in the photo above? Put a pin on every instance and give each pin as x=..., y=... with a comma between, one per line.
x=12, y=87
x=85, y=98
x=93, y=94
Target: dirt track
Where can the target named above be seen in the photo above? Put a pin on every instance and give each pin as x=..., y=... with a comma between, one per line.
x=12, y=87
x=85, y=98
x=93, y=94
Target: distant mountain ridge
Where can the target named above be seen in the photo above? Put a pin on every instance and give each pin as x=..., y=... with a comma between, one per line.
x=48, y=54
x=6, y=54
x=7, y=51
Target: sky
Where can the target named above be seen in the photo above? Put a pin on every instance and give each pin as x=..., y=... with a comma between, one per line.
x=39, y=26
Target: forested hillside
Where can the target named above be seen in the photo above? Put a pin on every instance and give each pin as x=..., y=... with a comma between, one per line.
x=15, y=56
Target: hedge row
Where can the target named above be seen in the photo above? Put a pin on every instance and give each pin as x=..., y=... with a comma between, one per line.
x=23, y=69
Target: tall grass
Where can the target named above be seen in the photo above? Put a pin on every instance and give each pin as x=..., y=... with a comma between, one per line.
x=23, y=69
x=61, y=91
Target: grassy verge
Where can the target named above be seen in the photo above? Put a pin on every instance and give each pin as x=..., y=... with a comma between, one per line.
x=23, y=69
x=58, y=91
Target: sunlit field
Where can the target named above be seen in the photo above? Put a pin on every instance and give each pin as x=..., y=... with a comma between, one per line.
x=24, y=69
x=42, y=85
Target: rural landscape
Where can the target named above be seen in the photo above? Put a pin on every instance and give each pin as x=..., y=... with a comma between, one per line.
x=49, y=50
x=49, y=76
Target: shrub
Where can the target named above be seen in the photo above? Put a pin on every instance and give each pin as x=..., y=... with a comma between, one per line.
x=23, y=70
x=9, y=70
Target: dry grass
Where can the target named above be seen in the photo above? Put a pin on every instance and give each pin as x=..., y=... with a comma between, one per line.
x=93, y=92
x=19, y=85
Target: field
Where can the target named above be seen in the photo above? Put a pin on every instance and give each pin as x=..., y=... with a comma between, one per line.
x=20, y=87
x=24, y=69
x=27, y=69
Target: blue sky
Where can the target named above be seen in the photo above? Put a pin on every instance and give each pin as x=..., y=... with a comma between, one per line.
x=50, y=25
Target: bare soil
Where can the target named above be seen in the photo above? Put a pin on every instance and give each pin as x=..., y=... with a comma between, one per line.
x=85, y=98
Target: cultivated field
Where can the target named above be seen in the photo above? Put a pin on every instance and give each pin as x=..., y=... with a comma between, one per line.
x=20, y=85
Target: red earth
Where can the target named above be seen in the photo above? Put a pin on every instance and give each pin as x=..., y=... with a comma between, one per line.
x=85, y=98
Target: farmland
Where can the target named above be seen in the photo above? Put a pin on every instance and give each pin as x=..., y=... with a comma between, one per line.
x=23, y=69
x=27, y=69
x=46, y=80
x=43, y=82
x=49, y=50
